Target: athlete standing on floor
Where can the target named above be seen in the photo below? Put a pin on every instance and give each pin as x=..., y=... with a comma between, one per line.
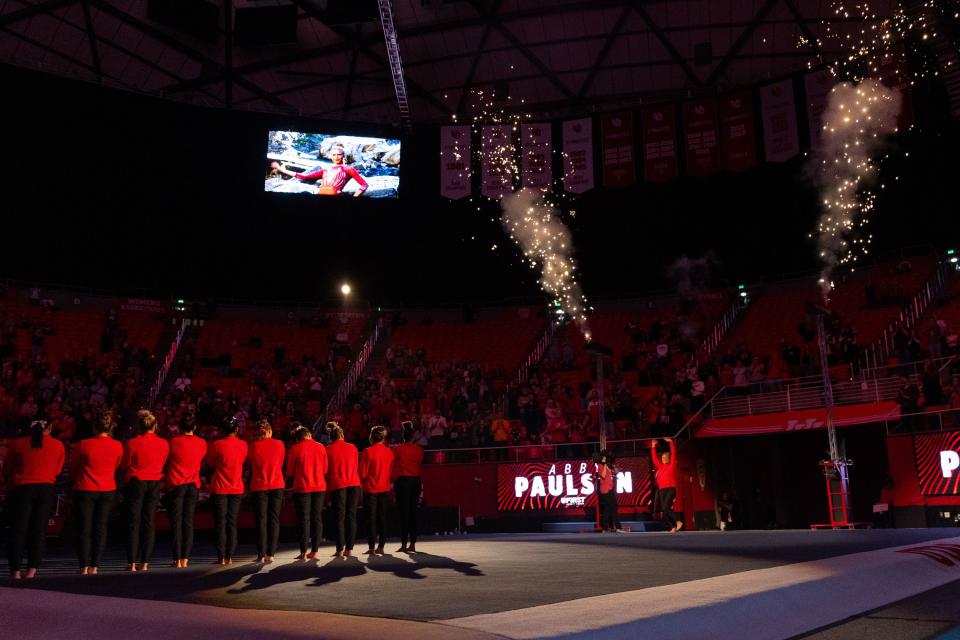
x=407, y=485
x=182, y=480
x=666, y=472
x=307, y=466
x=143, y=459
x=225, y=457
x=266, y=489
x=376, y=465
x=343, y=482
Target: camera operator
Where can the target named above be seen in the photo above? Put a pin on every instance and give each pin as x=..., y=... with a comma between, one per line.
x=607, y=490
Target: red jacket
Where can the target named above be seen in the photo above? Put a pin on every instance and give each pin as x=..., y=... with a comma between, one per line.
x=94, y=464
x=266, y=464
x=607, y=479
x=26, y=465
x=407, y=459
x=666, y=473
x=307, y=465
x=144, y=457
x=376, y=462
x=183, y=463
x=226, y=457
x=342, y=466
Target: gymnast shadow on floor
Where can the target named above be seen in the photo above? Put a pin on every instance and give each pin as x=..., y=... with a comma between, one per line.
x=270, y=576
x=410, y=569
x=158, y=583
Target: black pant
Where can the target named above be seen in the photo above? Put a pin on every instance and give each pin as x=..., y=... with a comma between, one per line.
x=346, y=500
x=181, y=503
x=225, y=510
x=407, y=489
x=29, y=506
x=140, y=498
x=93, y=509
x=376, y=505
x=608, y=511
x=309, y=508
x=666, y=497
x=266, y=508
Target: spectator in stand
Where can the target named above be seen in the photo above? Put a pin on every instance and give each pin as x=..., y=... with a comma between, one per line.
x=908, y=397
x=343, y=481
x=307, y=466
x=94, y=464
x=406, y=482
x=182, y=382
x=376, y=467
x=182, y=480
x=665, y=466
x=143, y=460
x=932, y=391
x=225, y=457
x=30, y=470
x=265, y=457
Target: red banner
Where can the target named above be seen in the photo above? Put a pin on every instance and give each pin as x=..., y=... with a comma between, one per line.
x=700, y=132
x=619, y=163
x=779, y=113
x=938, y=463
x=738, y=133
x=805, y=420
x=817, y=86
x=536, y=145
x=660, y=143
x=571, y=484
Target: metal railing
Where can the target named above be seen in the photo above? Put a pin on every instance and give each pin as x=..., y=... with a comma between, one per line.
x=805, y=395
x=167, y=363
x=535, y=452
x=720, y=329
x=945, y=419
x=875, y=354
x=353, y=375
x=536, y=354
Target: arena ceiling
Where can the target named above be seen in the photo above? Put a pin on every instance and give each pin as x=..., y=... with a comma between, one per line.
x=559, y=57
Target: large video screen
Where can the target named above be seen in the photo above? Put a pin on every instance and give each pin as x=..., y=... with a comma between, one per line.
x=563, y=485
x=938, y=463
x=327, y=164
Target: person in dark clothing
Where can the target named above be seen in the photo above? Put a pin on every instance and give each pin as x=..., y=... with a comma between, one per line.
x=607, y=492
x=407, y=485
x=182, y=480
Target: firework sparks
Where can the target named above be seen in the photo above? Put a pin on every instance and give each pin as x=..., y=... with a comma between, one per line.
x=856, y=123
x=539, y=231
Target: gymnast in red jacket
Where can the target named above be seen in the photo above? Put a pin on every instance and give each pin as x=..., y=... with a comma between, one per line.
x=331, y=180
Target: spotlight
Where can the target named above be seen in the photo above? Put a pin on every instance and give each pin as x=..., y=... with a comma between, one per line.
x=345, y=289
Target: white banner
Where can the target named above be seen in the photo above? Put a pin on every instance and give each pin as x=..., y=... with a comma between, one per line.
x=817, y=86
x=536, y=147
x=496, y=161
x=780, y=141
x=455, y=162
x=578, y=155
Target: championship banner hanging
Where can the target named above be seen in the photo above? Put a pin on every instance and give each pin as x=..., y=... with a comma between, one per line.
x=619, y=163
x=938, y=463
x=700, y=135
x=496, y=161
x=578, y=155
x=738, y=134
x=817, y=86
x=455, y=162
x=562, y=485
x=659, y=143
x=779, y=114
x=536, y=163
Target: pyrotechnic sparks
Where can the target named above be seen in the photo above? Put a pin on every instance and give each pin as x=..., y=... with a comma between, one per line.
x=531, y=216
x=856, y=122
x=545, y=240
x=860, y=116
